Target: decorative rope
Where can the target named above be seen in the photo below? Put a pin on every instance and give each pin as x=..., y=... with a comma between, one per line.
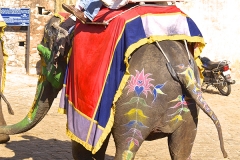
x=162, y=51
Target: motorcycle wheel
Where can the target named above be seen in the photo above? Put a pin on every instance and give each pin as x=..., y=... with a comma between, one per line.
x=225, y=87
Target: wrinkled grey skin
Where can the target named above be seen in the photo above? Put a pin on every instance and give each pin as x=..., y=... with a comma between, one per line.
x=149, y=117
x=158, y=124
x=180, y=133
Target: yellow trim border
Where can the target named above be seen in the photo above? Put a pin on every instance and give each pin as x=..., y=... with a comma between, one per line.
x=198, y=49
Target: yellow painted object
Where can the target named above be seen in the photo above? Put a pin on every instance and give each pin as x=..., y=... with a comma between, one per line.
x=58, y=4
x=5, y=55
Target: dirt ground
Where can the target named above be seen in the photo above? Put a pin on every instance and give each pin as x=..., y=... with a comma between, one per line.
x=48, y=139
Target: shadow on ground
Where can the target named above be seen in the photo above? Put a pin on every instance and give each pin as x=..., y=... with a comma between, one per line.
x=38, y=149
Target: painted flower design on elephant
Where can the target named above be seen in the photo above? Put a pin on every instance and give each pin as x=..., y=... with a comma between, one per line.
x=190, y=77
x=136, y=117
x=182, y=103
x=140, y=83
x=157, y=90
x=191, y=80
x=189, y=74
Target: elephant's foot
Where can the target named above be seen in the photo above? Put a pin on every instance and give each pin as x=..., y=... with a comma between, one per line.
x=4, y=138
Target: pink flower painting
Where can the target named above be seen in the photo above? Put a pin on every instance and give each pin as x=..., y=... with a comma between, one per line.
x=140, y=83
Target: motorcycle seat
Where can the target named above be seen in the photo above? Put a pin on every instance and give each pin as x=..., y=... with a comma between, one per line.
x=208, y=64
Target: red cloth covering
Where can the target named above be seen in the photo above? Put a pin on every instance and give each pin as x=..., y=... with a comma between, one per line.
x=93, y=49
x=98, y=66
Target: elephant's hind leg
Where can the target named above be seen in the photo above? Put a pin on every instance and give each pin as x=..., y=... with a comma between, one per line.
x=181, y=141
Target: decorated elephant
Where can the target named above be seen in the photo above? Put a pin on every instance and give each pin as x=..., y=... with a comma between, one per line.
x=161, y=97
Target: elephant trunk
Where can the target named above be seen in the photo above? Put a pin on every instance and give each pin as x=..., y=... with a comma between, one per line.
x=195, y=92
x=43, y=101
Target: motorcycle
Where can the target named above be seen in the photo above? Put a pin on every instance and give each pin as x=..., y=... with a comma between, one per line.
x=218, y=75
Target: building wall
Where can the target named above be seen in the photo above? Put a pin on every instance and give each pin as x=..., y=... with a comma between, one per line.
x=217, y=20
x=15, y=36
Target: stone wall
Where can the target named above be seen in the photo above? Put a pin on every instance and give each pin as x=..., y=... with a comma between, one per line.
x=217, y=20
x=15, y=36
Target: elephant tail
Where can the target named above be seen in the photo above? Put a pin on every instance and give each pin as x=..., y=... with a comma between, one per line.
x=187, y=78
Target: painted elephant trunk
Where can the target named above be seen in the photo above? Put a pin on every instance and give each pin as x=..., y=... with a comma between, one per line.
x=196, y=94
x=42, y=103
x=51, y=80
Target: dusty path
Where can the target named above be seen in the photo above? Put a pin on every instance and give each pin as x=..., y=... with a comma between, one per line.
x=48, y=140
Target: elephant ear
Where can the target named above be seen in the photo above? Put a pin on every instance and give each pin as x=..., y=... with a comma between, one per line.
x=56, y=36
x=54, y=74
x=54, y=50
x=50, y=33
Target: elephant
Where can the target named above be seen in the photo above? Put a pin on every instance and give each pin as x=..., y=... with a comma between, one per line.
x=142, y=115
x=162, y=98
